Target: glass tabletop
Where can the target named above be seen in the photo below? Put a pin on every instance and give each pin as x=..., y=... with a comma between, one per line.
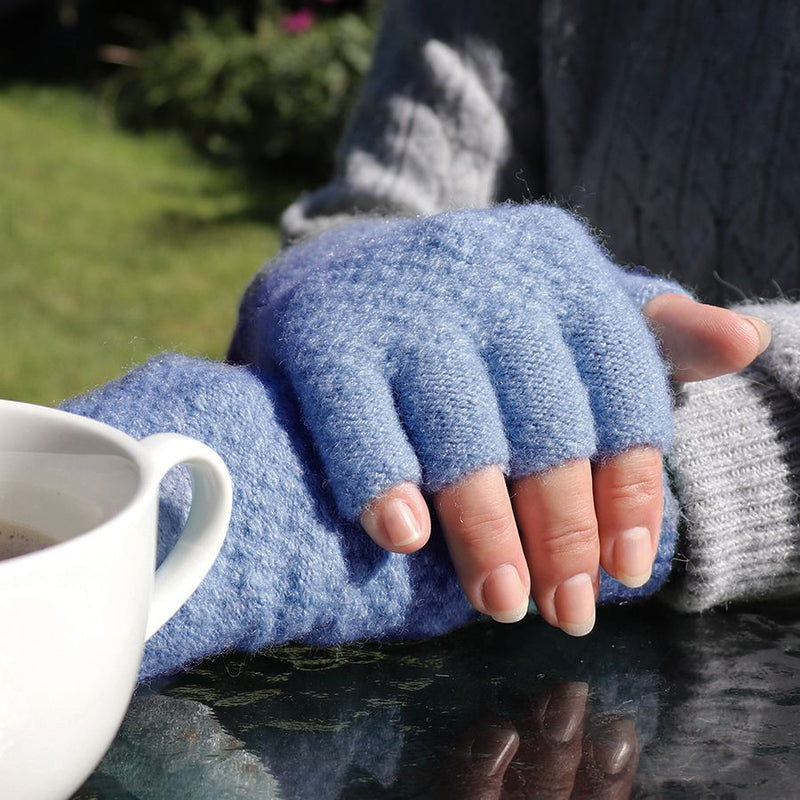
x=651, y=704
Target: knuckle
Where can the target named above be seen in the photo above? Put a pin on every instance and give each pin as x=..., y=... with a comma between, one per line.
x=575, y=540
x=632, y=479
x=634, y=490
x=488, y=526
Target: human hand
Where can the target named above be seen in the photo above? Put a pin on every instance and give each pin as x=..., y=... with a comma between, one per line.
x=451, y=351
x=582, y=501
x=559, y=750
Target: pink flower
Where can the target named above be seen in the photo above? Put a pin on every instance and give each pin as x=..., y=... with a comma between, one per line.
x=298, y=21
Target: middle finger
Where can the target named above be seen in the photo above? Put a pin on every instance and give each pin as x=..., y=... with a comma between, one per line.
x=478, y=523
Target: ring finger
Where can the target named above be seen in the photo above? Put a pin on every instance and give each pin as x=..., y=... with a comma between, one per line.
x=556, y=518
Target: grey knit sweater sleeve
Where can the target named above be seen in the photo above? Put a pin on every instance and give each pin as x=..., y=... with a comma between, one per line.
x=434, y=127
x=736, y=472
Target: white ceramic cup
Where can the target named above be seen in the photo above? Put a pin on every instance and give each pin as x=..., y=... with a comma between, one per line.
x=74, y=616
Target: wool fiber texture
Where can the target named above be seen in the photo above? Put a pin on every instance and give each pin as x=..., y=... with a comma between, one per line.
x=423, y=349
x=736, y=463
x=631, y=113
x=291, y=568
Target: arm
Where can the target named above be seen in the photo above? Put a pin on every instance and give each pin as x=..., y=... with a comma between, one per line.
x=291, y=568
x=440, y=123
x=444, y=351
x=408, y=152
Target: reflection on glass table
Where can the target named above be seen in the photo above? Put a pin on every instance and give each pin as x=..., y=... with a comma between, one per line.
x=652, y=704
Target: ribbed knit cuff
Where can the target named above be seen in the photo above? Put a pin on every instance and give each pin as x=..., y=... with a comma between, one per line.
x=736, y=469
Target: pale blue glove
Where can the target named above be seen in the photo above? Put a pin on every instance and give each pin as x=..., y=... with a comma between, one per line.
x=423, y=349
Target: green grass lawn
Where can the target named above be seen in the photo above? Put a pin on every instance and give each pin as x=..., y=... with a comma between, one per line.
x=113, y=246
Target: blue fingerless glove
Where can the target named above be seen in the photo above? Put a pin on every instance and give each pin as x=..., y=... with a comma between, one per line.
x=419, y=350
x=423, y=349
x=291, y=569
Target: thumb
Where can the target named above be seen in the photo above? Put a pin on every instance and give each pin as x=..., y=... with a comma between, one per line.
x=701, y=341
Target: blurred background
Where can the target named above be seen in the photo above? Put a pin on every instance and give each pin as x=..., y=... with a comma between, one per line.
x=147, y=150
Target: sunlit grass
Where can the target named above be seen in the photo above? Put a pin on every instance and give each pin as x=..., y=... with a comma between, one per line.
x=114, y=246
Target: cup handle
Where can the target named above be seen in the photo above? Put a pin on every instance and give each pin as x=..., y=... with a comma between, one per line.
x=201, y=539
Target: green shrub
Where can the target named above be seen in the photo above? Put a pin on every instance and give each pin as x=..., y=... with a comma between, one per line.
x=262, y=95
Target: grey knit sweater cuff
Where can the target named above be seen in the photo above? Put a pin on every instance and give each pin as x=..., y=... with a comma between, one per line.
x=437, y=118
x=736, y=469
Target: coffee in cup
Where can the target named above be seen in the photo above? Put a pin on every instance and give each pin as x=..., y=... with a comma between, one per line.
x=17, y=539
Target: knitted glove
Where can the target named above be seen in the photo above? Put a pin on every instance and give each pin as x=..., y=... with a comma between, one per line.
x=290, y=569
x=423, y=349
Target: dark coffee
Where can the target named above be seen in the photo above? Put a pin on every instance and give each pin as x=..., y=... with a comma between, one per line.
x=17, y=540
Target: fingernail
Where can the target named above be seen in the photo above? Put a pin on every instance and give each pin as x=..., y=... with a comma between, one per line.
x=565, y=711
x=400, y=523
x=614, y=743
x=633, y=557
x=393, y=520
x=497, y=743
x=619, y=757
x=763, y=330
x=504, y=595
x=574, y=603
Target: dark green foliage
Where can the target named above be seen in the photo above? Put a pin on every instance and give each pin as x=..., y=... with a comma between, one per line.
x=251, y=95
